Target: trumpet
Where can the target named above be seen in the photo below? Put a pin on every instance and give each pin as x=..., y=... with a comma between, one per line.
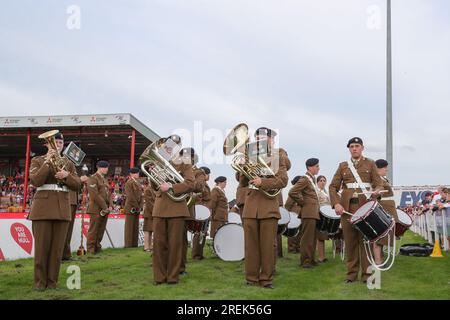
x=57, y=161
x=236, y=144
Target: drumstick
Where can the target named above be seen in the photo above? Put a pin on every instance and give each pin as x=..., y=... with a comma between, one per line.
x=349, y=213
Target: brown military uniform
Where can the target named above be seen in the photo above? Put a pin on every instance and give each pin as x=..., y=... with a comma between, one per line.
x=73, y=196
x=260, y=217
x=169, y=228
x=293, y=242
x=279, y=240
x=219, y=208
x=99, y=199
x=50, y=214
x=133, y=204
x=149, y=200
x=304, y=194
x=205, y=200
x=241, y=193
x=354, y=246
x=388, y=204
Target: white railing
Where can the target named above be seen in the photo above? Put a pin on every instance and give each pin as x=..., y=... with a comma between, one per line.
x=433, y=222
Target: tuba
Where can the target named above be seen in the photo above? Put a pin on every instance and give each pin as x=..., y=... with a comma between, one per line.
x=236, y=144
x=57, y=161
x=159, y=170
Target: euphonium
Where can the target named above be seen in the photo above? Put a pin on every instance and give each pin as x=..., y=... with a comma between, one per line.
x=57, y=161
x=236, y=144
x=159, y=170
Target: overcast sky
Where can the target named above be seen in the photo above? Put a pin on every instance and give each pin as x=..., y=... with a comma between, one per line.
x=312, y=70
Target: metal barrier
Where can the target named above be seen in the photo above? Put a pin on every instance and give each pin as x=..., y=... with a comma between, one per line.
x=431, y=224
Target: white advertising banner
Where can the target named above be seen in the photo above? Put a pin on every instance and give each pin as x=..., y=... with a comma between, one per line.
x=17, y=242
x=65, y=121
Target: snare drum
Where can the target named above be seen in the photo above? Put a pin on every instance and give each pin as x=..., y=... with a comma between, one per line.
x=233, y=217
x=228, y=243
x=329, y=221
x=283, y=221
x=293, y=227
x=372, y=221
x=403, y=224
x=202, y=215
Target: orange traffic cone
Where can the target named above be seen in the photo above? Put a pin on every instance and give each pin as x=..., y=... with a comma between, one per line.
x=437, y=253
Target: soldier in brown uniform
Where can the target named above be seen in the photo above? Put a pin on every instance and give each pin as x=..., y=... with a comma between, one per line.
x=133, y=204
x=279, y=239
x=260, y=216
x=387, y=201
x=169, y=222
x=149, y=200
x=189, y=156
x=350, y=201
x=305, y=194
x=50, y=213
x=203, y=198
x=292, y=206
x=73, y=196
x=99, y=207
x=219, y=205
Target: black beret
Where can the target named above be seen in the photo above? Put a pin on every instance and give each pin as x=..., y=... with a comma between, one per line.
x=381, y=163
x=220, y=179
x=59, y=136
x=102, y=164
x=354, y=140
x=135, y=170
x=295, y=180
x=263, y=131
x=205, y=170
x=312, y=162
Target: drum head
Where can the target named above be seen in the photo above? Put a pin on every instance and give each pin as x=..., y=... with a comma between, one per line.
x=201, y=212
x=361, y=212
x=295, y=222
x=404, y=218
x=233, y=217
x=229, y=242
x=329, y=212
x=285, y=216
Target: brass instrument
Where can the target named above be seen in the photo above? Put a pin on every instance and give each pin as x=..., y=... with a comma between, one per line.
x=159, y=170
x=57, y=161
x=236, y=144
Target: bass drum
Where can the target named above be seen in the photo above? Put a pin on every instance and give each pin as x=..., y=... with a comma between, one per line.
x=293, y=227
x=233, y=217
x=228, y=243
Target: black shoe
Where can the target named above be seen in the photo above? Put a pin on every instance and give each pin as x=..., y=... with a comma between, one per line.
x=172, y=282
x=307, y=266
x=269, y=286
x=322, y=261
x=156, y=283
x=67, y=259
x=251, y=283
x=183, y=273
x=349, y=281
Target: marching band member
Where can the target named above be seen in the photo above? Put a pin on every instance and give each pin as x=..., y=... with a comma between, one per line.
x=260, y=215
x=133, y=201
x=204, y=198
x=50, y=212
x=219, y=205
x=149, y=200
x=169, y=225
x=387, y=201
x=292, y=206
x=324, y=199
x=346, y=177
x=100, y=205
x=305, y=194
